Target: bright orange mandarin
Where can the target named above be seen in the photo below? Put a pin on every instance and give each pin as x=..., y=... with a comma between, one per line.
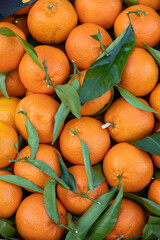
x=19, y=21
x=8, y=136
x=34, y=78
x=40, y=109
x=11, y=50
x=154, y=191
x=11, y=196
x=130, y=222
x=90, y=131
x=156, y=160
x=154, y=100
x=32, y=220
x=82, y=48
x=146, y=28
x=128, y=122
x=94, y=106
x=50, y=21
x=45, y=153
x=14, y=86
x=98, y=12
x=133, y=164
x=75, y=204
x=25, y=10
x=7, y=110
x=153, y=4
x=137, y=77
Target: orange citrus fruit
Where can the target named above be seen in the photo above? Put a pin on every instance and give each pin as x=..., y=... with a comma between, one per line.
x=131, y=163
x=8, y=136
x=33, y=222
x=154, y=100
x=128, y=123
x=50, y=21
x=130, y=222
x=11, y=50
x=77, y=205
x=90, y=131
x=40, y=109
x=34, y=78
x=146, y=27
x=154, y=191
x=137, y=77
x=45, y=153
x=82, y=48
x=98, y=12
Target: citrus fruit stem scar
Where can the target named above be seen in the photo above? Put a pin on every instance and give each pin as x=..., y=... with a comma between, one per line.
x=50, y=6
x=138, y=12
x=106, y=125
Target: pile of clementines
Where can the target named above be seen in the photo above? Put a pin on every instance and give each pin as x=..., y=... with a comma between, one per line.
x=79, y=121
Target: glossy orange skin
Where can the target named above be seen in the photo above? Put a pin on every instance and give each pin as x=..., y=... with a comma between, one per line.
x=130, y=222
x=154, y=191
x=11, y=196
x=153, y=4
x=11, y=50
x=34, y=78
x=7, y=110
x=98, y=12
x=90, y=131
x=40, y=109
x=32, y=220
x=139, y=78
x=133, y=164
x=154, y=100
x=75, y=204
x=94, y=106
x=130, y=123
x=50, y=21
x=82, y=48
x=145, y=27
x=8, y=136
x=14, y=86
x=45, y=153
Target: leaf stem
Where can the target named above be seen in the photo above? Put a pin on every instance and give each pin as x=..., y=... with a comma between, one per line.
x=21, y=111
x=86, y=196
x=68, y=228
x=138, y=12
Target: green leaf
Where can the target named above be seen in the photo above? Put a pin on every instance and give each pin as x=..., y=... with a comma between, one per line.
x=6, y=229
x=86, y=221
x=62, y=113
x=134, y=101
x=22, y=182
x=16, y=148
x=148, y=204
x=60, y=117
x=152, y=229
x=70, y=222
x=106, y=71
x=67, y=177
x=3, y=85
x=155, y=53
x=32, y=136
x=45, y=69
x=28, y=47
x=87, y=161
x=50, y=201
x=156, y=173
x=147, y=233
x=99, y=230
x=97, y=174
x=69, y=97
x=46, y=169
x=97, y=36
x=133, y=2
x=149, y=144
